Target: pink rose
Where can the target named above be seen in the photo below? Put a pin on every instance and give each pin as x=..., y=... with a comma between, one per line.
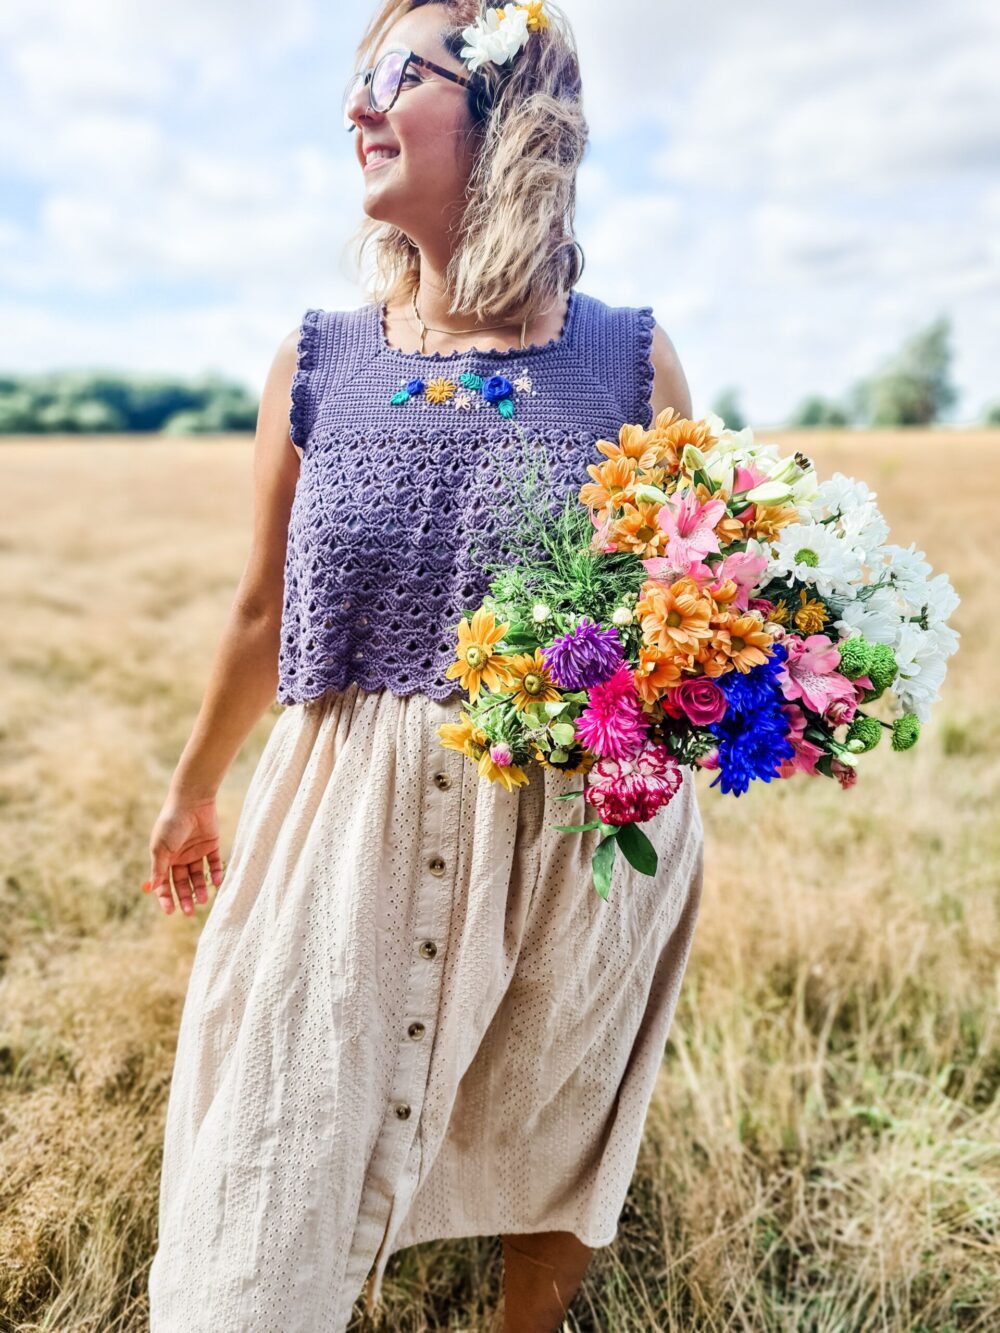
x=701, y=699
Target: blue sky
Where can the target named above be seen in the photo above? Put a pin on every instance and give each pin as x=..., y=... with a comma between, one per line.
x=794, y=190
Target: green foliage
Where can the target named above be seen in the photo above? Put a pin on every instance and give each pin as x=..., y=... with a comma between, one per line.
x=914, y=388
x=727, y=407
x=94, y=402
x=992, y=415
x=818, y=411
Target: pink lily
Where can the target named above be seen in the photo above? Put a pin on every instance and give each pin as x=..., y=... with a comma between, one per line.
x=810, y=673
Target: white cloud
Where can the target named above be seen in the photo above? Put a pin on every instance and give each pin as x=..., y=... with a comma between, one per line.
x=792, y=191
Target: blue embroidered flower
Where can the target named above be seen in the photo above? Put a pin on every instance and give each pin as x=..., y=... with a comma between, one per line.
x=414, y=387
x=496, y=387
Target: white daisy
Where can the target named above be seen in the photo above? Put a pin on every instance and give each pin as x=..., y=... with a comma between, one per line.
x=813, y=554
x=922, y=669
x=876, y=617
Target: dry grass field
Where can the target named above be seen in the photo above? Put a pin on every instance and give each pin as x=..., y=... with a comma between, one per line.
x=823, y=1150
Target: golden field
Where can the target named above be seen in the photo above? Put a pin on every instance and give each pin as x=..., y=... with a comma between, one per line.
x=823, y=1150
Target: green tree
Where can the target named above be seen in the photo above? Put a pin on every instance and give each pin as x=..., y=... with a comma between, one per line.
x=727, y=407
x=818, y=411
x=991, y=417
x=914, y=388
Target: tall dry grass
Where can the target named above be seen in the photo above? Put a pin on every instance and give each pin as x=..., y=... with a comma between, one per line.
x=822, y=1152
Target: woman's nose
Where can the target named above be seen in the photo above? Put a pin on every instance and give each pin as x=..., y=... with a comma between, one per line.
x=358, y=108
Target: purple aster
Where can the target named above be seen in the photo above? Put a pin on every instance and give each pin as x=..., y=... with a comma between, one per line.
x=585, y=656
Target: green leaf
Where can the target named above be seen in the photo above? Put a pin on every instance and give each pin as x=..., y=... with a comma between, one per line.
x=563, y=733
x=472, y=381
x=555, y=706
x=398, y=398
x=558, y=756
x=637, y=849
x=568, y=796
x=506, y=407
x=601, y=865
x=578, y=828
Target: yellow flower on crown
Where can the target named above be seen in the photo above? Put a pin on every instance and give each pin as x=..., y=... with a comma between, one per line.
x=537, y=18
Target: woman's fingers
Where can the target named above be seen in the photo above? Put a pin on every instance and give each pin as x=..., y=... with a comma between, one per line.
x=159, y=878
x=182, y=885
x=215, y=867
x=196, y=870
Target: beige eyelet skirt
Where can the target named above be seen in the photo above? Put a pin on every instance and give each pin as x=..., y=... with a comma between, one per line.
x=410, y=1017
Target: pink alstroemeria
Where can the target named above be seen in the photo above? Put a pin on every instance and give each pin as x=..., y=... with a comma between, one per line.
x=745, y=478
x=806, y=753
x=810, y=672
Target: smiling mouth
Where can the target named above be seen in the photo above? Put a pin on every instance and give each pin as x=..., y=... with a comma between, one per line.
x=379, y=161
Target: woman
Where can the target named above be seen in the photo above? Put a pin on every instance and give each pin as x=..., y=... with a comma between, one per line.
x=410, y=1016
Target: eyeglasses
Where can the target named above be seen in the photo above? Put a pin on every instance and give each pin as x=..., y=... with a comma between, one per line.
x=385, y=79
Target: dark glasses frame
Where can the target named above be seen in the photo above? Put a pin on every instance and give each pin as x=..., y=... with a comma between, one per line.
x=365, y=78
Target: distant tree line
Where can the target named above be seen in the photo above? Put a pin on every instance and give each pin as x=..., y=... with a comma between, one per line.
x=90, y=402
x=913, y=388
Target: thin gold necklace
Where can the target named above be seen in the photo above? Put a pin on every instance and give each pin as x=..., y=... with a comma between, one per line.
x=425, y=328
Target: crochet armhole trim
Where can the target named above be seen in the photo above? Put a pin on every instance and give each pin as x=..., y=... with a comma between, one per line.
x=300, y=415
x=646, y=371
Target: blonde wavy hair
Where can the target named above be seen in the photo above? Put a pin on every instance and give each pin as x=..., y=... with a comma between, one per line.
x=518, y=253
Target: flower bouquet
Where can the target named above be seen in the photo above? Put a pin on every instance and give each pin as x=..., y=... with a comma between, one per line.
x=703, y=602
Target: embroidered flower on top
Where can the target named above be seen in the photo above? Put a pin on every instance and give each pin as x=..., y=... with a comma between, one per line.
x=470, y=392
x=498, y=35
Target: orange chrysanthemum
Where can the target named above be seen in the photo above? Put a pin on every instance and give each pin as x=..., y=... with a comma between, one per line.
x=633, y=442
x=723, y=593
x=712, y=660
x=477, y=663
x=670, y=433
x=530, y=680
x=657, y=672
x=743, y=641
x=614, y=483
x=768, y=521
x=674, y=617
x=637, y=531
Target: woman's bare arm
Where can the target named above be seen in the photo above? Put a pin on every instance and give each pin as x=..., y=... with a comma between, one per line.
x=670, y=386
x=243, y=676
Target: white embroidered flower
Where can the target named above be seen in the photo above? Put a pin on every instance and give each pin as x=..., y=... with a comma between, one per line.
x=523, y=384
x=462, y=401
x=495, y=37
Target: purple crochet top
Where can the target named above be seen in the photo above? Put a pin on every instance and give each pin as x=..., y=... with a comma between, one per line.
x=398, y=470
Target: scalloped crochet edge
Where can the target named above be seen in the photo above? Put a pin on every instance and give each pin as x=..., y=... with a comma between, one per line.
x=305, y=360
x=647, y=372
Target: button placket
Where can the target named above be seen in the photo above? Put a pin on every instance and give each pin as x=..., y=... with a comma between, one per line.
x=438, y=853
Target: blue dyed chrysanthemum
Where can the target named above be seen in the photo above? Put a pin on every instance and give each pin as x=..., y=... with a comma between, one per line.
x=753, y=734
x=585, y=656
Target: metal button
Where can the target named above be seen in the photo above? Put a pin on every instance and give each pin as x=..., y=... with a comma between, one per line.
x=428, y=949
x=403, y=1110
x=435, y=865
x=416, y=1031
x=442, y=780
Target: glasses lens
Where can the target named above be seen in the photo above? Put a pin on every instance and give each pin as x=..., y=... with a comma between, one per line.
x=385, y=80
x=350, y=92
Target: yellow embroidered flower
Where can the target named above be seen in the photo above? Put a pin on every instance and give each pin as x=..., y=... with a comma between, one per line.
x=440, y=391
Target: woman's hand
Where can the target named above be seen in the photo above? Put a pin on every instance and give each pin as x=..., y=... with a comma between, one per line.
x=185, y=835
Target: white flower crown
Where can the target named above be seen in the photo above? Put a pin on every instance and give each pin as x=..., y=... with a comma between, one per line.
x=499, y=34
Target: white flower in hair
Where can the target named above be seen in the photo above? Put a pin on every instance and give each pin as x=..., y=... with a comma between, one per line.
x=496, y=36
